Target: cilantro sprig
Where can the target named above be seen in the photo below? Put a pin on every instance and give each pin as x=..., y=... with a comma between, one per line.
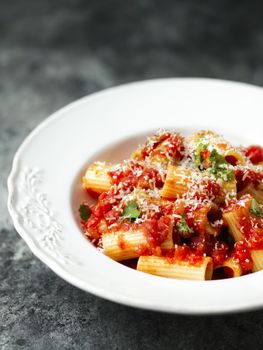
x=183, y=229
x=198, y=153
x=84, y=212
x=220, y=167
x=255, y=209
x=131, y=211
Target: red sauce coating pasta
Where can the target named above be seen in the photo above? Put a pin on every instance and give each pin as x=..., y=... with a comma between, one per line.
x=199, y=214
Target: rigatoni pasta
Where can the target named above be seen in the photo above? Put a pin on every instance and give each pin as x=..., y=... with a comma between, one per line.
x=97, y=178
x=232, y=220
x=255, y=192
x=257, y=258
x=161, y=266
x=176, y=182
x=182, y=208
x=124, y=245
x=231, y=267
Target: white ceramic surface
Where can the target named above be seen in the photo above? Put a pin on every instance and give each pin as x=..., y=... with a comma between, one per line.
x=44, y=184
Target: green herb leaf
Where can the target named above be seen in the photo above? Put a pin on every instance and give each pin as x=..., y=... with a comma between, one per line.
x=131, y=211
x=183, y=229
x=198, y=154
x=255, y=209
x=84, y=212
x=220, y=167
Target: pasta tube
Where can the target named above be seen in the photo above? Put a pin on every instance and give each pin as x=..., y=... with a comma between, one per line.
x=229, y=187
x=257, y=258
x=232, y=267
x=216, y=141
x=97, y=178
x=254, y=192
x=160, y=266
x=234, y=153
x=124, y=245
x=232, y=219
x=176, y=183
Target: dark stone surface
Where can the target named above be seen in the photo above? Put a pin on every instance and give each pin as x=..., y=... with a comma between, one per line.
x=52, y=52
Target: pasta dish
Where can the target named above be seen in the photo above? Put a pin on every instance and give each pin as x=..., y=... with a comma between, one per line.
x=180, y=207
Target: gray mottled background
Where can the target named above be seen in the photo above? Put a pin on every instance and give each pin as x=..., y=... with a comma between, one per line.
x=52, y=52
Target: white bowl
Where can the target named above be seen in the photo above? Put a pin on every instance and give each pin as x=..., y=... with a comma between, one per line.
x=44, y=184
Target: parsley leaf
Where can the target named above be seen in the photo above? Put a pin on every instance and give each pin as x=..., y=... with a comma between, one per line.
x=84, y=212
x=198, y=154
x=219, y=166
x=255, y=208
x=183, y=229
x=131, y=211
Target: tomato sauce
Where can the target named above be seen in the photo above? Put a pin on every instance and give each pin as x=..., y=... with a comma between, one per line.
x=255, y=154
x=245, y=177
x=157, y=230
x=172, y=147
x=161, y=218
